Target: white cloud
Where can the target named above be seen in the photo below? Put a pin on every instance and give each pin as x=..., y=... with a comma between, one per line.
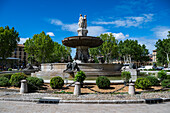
x=70, y=27
x=50, y=33
x=23, y=40
x=161, y=32
x=93, y=30
x=118, y=35
x=56, y=22
x=128, y=21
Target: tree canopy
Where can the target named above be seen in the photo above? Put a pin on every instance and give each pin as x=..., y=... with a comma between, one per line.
x=163, y=50
x=40, y=47
x=109, y=48
x=60, y=52
x=43, y=49
x=130, y=49
x=8, y=41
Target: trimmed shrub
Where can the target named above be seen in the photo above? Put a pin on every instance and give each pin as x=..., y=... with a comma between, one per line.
x=154, y=81
x=142, y=83
x=34, y=83
x=6, y=75
x=165, y=83
x=80, y=76
x=9, y=69
x=4, y=81
x=168, y=76
x=162, y=75
x=103, y=82
x=126, y=75
x=143, y=74
x=16, y=79
x=56, y=82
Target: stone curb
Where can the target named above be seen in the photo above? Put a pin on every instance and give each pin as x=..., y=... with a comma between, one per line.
x=57, y=101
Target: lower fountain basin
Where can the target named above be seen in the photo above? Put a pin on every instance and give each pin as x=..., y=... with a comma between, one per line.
x=50, y=70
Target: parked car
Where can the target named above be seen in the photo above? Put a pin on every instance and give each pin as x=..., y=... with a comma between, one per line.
x=159, y=68
x=145, y=67
x=125, y=67
x=141, y=68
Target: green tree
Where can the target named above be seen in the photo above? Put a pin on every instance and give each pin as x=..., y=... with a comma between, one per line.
x=60, y=52
x=109, y=48
x=163, y=50
x=8, y=42
x=30, y=49
x=40, y=47
x=130, y=49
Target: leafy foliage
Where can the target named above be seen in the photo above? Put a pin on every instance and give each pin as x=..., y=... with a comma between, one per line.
x=60, y=52
x=16, y=78
x=126, y=75
x=109, y=48
x=142, y=83
x=162, y=75
x=131, y=49
x=4, y=81
x=143, y=74
x=154, y=81
x=163, y=50
x=165, y=83
x=8, y=41
x=103, y=82
x=34, y=83
x=80, y=76
x=40, y=47
x=6, y=75
x=56, y=82
x=10, y=69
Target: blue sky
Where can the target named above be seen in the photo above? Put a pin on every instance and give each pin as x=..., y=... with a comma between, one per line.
x=143, y=20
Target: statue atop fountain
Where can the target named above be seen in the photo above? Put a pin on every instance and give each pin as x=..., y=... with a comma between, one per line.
x=82, y=31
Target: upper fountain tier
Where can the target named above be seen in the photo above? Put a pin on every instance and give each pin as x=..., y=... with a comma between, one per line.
x=82, y=39
x=76, y=41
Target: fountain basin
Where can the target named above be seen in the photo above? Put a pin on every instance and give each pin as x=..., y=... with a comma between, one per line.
x=49, y=70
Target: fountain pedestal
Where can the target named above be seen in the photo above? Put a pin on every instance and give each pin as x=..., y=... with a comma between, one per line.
x=82, y=32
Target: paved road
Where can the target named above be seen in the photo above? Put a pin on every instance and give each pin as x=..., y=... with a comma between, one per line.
x=29, y=107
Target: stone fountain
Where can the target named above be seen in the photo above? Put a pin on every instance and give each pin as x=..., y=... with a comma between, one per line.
x=82, y=43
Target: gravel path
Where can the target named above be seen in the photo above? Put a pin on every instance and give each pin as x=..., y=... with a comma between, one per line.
x=16, y=95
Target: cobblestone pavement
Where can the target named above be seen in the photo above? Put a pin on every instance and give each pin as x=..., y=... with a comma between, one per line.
x=29, y=107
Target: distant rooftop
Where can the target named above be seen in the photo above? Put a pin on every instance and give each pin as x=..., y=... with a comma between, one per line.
x=20, y=45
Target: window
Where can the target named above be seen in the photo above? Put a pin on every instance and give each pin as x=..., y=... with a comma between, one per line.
x=20, y=49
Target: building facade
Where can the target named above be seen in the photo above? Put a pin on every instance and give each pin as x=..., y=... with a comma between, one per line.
x=21, y=55
x=154, y=56
x=17, y=60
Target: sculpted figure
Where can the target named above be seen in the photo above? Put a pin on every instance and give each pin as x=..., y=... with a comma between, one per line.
x=81, y=21
x=85, y=22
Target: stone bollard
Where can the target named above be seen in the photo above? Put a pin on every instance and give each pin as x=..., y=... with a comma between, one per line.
x=77, y=88
x=131, y=89
x=24, y=87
